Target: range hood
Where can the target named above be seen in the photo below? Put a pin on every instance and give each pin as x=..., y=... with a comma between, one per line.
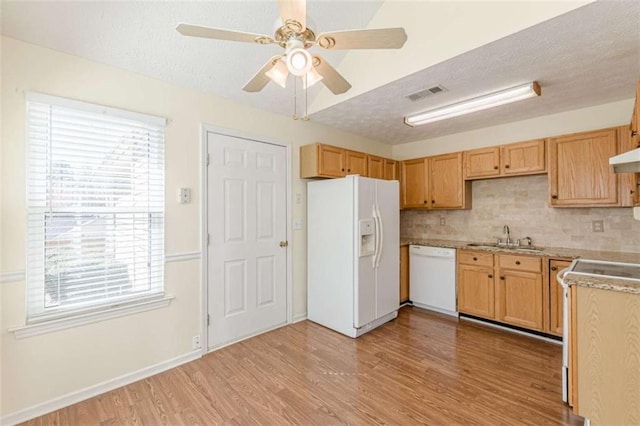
x=627, y=162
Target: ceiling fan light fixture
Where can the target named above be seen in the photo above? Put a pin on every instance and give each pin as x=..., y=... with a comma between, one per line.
x=480, y=103
x=311, y=78
x=279, y=73
x=299, y=61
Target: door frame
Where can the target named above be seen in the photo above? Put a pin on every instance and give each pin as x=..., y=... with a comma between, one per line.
x=204, y=215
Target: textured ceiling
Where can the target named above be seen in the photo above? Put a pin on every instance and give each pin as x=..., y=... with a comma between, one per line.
x=586, y=57
x=141, y=37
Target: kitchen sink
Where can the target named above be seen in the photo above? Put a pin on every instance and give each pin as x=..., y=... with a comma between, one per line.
x=532, y=249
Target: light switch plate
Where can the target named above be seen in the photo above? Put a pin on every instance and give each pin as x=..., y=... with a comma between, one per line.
x=636, y=213
x=297, y=224
x=185, y=195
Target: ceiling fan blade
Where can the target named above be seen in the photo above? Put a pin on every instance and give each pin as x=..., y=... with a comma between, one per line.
x=219, y=34
x=330, y=77
x=384, y=38
x=260, y=79
x=294, y=9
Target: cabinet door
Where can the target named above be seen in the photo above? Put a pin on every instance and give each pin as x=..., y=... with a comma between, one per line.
x=375, y=167
x=356, y=163
x=445, y=181
x=404, y=273
x=414, y=185
x=390, y=169
x=555, y=296
x=476, y=290
x=482, y=163
x=330, y=161
x=635, y=119
x=519, y=299
x=579, y=171
x=523, y=158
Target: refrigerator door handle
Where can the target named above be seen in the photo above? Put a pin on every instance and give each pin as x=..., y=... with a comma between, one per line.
x=377, y=236
x=380, y=235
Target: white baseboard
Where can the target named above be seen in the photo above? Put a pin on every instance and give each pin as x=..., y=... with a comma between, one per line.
x=299, y=317
x=100, y=388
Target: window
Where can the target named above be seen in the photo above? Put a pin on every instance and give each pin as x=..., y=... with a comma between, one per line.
x=95, y=205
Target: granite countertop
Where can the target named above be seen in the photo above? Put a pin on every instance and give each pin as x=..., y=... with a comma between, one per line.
x=606, y=283
x=603, y=283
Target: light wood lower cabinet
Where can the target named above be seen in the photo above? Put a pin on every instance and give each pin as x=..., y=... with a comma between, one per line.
x=476, y=290
x=555, y=296
x=509, y=288
x=404, y=273
x=607, y=356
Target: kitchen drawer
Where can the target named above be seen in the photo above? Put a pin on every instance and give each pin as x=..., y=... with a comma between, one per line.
x=477, y=258
x=520, y=263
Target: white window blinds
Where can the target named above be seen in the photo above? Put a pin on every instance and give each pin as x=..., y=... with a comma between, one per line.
x=95, y=204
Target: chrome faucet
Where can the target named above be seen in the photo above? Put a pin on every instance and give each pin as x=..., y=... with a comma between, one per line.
x=505, y=230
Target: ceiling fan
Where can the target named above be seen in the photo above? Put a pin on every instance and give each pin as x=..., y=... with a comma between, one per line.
x=296, y=39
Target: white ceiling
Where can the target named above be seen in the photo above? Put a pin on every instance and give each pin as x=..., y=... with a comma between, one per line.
x=586, y=57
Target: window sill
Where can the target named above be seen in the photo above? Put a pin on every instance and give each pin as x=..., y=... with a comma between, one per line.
x=74, y=321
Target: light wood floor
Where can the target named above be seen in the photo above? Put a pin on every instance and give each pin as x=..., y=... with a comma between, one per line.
x=422, y=368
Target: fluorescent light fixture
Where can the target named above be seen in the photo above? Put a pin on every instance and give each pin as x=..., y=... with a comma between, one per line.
x=278, y=73
x=480, y=103
x=311, y=78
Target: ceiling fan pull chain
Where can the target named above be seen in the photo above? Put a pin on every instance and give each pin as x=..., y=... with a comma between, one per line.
x=306, y=103
x=295, y=98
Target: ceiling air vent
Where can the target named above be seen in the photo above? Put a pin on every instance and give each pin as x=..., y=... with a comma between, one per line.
x=425, y=92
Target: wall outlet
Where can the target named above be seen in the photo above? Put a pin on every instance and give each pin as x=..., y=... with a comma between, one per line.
x=597, y=226
x=443, y=221
x=196, y=342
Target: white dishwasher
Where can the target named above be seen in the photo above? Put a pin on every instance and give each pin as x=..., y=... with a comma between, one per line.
x=432, y=278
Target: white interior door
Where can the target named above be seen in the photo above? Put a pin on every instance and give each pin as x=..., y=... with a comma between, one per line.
x=246, y=271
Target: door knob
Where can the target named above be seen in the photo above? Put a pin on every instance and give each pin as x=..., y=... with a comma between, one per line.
x=284, y=243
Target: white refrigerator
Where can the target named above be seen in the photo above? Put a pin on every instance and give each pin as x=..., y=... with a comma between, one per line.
x=353, y=249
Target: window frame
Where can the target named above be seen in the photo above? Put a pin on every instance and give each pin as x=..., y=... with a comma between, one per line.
x=49, y=319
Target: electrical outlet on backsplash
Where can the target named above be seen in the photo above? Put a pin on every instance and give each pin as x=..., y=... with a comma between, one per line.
x=527, y=214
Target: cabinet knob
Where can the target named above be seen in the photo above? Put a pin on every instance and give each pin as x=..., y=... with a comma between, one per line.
x=475, y=258
x=506, y=166
x=554, y=196
x=433, y=201
x=490, y=276
x=348, y=170
x=517, y=262
x=342, y=170
x=495, y=167
x=553, y=268
x=634, y=132
x=425, y=201
x=502, y=278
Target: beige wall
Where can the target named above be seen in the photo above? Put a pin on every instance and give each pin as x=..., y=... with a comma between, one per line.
x=39, y=368
x=521, y=203
x=579, y=120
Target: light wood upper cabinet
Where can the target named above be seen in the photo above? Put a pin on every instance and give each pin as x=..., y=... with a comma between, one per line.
x=523, y=158
x=435, y=183
x=446, y=185
x=519, y=291
x=391, y=169
x=556, y=296
x=579, y=171
x=355, y=163
x=375, y=166
x=320, y=160
x=482, y=163
x=516, y=159
x=414, y=183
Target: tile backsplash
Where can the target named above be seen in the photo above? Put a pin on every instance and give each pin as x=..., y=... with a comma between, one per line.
x=521, y=203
